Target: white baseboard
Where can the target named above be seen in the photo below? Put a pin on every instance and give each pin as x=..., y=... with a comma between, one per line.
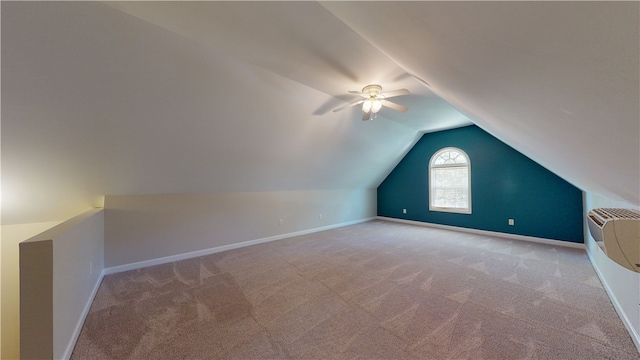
x=192, y=254
x=488, y=233
x=616, y=303
x=85, y=311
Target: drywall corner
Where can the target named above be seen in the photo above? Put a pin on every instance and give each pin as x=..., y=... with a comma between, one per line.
x=12, y=235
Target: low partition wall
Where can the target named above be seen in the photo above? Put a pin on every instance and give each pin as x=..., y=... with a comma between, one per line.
x=145, y=230
x=60, y=272
x=12, y=236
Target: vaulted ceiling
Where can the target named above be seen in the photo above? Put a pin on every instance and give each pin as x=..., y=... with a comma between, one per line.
x=184, y=97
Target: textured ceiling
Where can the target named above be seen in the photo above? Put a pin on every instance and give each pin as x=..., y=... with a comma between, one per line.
x=177, y=97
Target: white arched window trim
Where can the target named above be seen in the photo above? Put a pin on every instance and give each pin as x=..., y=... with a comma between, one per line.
x=450, y=181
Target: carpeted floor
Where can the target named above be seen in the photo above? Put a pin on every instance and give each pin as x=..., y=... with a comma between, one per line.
x=376, y=290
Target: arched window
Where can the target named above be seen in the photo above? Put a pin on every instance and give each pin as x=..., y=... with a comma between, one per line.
x=450, y=181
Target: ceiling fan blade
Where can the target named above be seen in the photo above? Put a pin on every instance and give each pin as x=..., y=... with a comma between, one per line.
x=393, y=93
x=366, y=96
x=348, y=106
x=394, y=106
x=367, y=116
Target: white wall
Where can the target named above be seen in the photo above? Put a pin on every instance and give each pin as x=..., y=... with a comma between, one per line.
x=78, y=256
x=143, y=228
x=622, y=285
x=12, y=235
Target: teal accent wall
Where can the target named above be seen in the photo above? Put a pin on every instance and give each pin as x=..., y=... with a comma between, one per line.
x=504, y=185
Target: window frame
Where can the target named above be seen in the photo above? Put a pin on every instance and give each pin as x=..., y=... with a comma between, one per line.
x=432, y=166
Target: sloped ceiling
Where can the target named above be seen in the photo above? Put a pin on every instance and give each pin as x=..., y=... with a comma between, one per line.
x=175, y=97
x=558, y=81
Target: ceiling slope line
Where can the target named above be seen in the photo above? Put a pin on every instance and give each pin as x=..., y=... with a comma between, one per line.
x=419, y=78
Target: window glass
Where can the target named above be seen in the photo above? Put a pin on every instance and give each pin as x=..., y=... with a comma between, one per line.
x=449, y=181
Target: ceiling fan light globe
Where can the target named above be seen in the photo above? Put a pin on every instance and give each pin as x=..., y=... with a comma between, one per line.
x=366, y=106
x=376, y=106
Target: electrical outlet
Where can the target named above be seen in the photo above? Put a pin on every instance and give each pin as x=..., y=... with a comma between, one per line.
x=281, y=222
x=511, y=222
x=320, y=216
x=90, y=267
x=404, y=211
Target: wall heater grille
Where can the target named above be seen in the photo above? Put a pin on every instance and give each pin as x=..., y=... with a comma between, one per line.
x=617, y=231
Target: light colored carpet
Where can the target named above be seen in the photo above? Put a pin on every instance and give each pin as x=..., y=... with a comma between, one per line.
x=376, y=290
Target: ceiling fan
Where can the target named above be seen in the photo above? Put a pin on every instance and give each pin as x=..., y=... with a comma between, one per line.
x=373, y=99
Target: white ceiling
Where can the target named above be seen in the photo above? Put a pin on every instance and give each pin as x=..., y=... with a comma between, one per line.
x=179, y=97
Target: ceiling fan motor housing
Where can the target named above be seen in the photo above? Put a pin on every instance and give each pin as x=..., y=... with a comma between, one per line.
x=372, y=90
x=374, y=100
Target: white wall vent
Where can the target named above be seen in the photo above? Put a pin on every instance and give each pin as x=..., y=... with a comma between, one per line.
x=617, y=231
